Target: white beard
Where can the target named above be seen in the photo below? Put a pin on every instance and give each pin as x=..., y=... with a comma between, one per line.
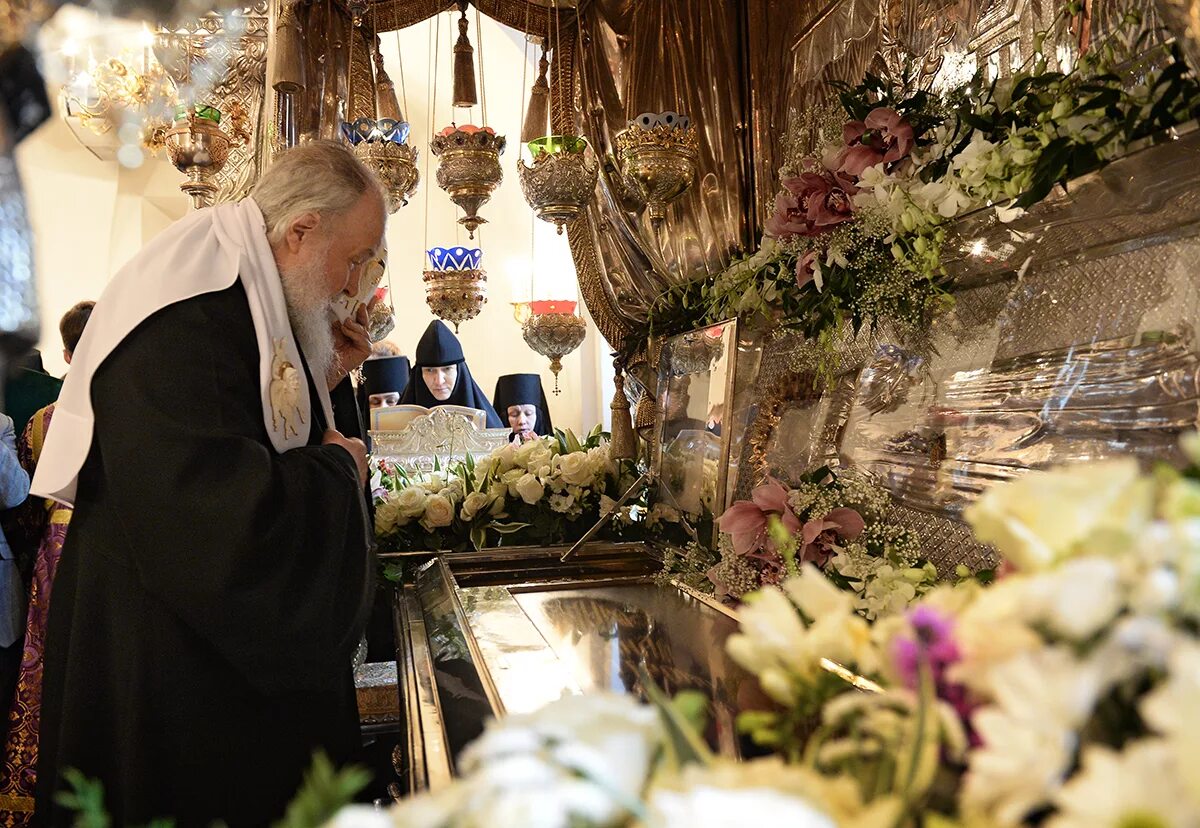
x=311, y=313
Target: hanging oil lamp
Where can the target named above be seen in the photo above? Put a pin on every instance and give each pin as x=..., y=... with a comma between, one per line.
x=553, y=330
x=658, y=153
x=455, y=286
x=469, y=168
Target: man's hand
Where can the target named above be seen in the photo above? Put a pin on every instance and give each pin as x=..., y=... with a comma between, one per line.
x=356, y=448
x=351, y=343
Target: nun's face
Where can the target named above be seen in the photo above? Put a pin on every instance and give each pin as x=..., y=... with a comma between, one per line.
x=384, y=400
x=522, y=418
x=440, y=381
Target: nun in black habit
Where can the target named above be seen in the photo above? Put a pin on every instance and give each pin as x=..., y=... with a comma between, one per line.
x=441, y=377
x=383, y=376
x=520, y=400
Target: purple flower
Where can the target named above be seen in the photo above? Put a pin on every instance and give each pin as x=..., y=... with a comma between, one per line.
x=932, y=645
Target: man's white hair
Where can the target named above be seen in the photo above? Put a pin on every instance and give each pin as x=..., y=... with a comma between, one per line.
x=322, y=177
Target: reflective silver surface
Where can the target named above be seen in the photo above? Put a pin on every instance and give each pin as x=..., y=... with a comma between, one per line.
x=696, y=378
x=1072, y=339
x=542, y=642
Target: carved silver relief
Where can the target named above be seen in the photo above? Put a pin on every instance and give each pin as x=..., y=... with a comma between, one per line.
x=436, y=439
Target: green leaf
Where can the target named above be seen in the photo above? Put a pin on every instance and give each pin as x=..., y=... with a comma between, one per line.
x=684, y=745
x=86, y=798
x=324, y=792
x=507, y=528
x=393, y=572
x=478, y=536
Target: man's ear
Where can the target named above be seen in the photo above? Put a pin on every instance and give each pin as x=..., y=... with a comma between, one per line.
x=301, y=227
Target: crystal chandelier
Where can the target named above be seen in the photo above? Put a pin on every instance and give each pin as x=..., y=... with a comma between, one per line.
x=560, y=181
x=553, y=330
x=469, y=168
x=455, y=287
x=120, y=104
x=658, y=154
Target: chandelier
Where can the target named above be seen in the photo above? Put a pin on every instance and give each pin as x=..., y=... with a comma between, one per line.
x=553, y=330
x=121, y=98
x=658, y=154
x=469, y=168
x=561, y=179
x=455, y=287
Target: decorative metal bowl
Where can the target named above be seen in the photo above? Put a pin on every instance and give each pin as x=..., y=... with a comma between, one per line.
x=198, y=148
x=469, y=168
x=560, y=181
x=659, y=159
x=554, y=335
x=456, y=295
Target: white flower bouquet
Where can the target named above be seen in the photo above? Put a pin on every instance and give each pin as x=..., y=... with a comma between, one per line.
x=545, y=491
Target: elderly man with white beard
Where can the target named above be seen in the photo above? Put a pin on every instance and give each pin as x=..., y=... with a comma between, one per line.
x=217, y=574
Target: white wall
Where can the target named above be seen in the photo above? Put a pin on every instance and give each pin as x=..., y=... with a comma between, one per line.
x=90, y=216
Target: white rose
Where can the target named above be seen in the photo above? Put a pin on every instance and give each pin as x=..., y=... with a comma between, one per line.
x=505, y=458
x=511, y=476
x=575, y=468
x=722, y=796
x=439, y=511
x=411, y=501
x=387, y=518
x=474, y=503
x=530, y=489
x=533, y=455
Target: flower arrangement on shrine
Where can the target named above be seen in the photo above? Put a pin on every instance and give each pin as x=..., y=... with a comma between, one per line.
x=858, y=229
x=835, y=522
x=545, y=491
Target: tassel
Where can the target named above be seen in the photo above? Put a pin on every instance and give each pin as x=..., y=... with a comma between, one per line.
x=464, y=65
x=537, y=117
x=287, y=61
x=644, y=417
x=387, y=105
x=623, y=444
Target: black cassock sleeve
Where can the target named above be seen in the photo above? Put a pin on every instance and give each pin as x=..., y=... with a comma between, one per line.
x=263, y=555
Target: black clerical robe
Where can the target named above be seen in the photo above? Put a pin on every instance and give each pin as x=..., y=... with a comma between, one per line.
x=211, y=591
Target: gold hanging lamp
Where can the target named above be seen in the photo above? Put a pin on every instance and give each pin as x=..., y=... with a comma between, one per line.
x=468, y=156
x=381, y=142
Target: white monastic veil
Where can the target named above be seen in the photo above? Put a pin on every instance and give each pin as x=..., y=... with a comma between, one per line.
x=203, y=253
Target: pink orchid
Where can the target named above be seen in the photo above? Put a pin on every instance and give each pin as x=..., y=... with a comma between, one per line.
x=806, y=268
x=883, y=137
x=812, y=203
x=746, y=520
x=820, y=535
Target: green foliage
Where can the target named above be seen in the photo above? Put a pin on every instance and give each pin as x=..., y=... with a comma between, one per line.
x=325, y=791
